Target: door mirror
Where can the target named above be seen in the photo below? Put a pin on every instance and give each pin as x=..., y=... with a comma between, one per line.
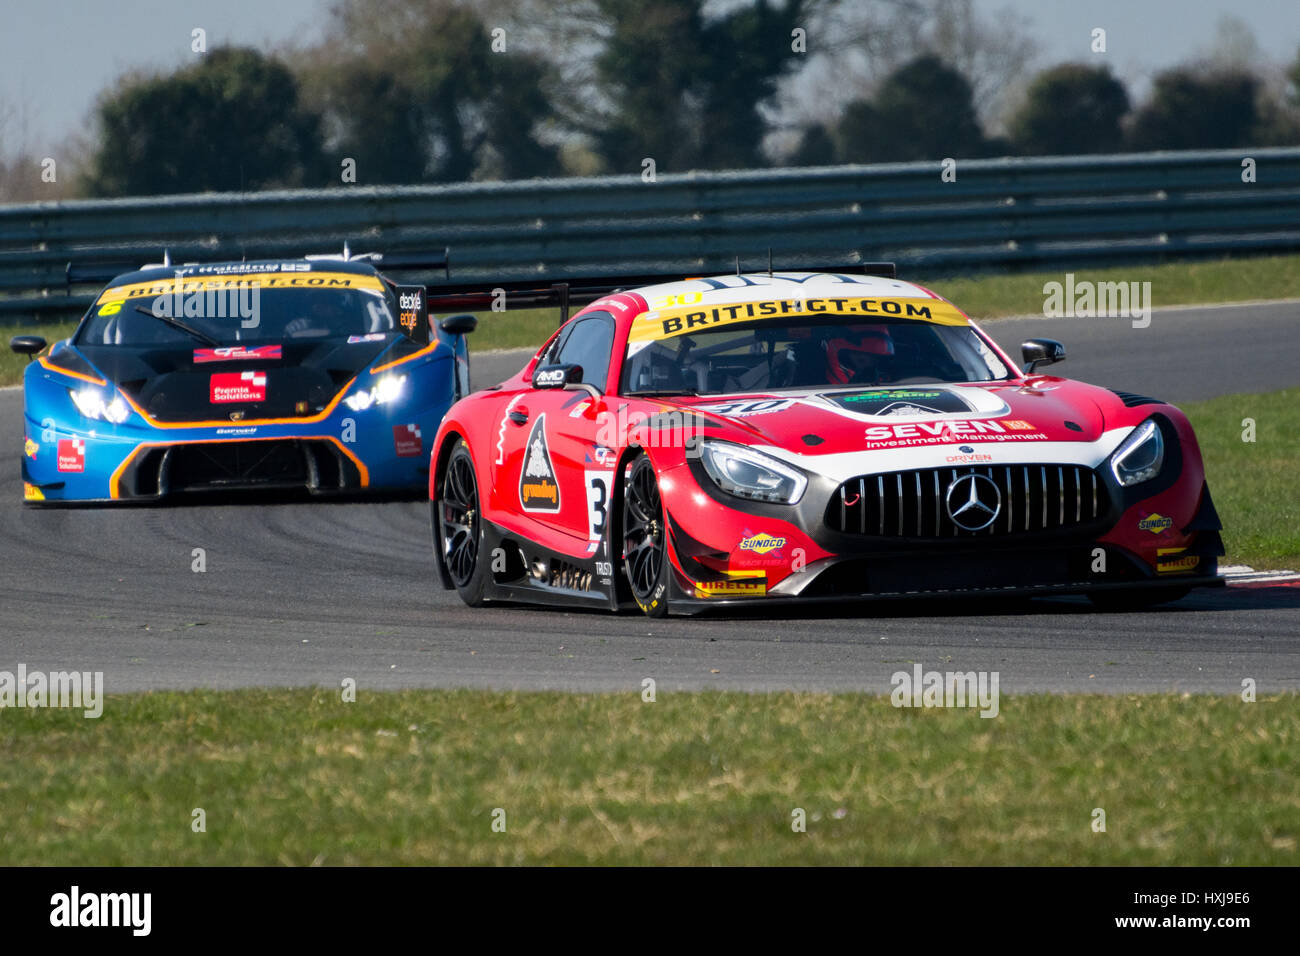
x=557, y=376
x=1038, y=352
x=28, y=345
x=459, y=324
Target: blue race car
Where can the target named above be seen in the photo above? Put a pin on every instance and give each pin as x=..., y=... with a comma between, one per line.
x=317, y=373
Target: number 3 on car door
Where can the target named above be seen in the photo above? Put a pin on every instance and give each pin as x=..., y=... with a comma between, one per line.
x=597, y=503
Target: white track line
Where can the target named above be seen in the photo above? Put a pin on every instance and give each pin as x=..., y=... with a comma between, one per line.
x=1243, y=574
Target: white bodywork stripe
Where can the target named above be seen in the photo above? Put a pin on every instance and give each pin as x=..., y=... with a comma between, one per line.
x=844, y=465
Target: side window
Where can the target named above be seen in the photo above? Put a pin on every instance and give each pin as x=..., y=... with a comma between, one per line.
x=588, y=344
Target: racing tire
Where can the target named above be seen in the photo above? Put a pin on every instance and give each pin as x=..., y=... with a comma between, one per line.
x=645, y=538
x=460, y=527
x=1137, y=599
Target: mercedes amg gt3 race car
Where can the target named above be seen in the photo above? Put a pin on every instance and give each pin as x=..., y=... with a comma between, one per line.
x=318, y=373
x=796, y=436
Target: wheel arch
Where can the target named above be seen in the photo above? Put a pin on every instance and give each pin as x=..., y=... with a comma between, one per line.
x=440, y=456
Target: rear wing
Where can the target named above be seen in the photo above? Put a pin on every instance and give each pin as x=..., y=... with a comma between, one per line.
x=100, y=271
x=564, y=294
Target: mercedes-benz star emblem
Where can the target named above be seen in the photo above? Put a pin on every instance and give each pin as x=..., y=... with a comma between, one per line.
x=973, y=502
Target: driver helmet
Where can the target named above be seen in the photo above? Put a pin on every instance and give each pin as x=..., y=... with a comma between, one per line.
x=856, y=351
x=320, y=311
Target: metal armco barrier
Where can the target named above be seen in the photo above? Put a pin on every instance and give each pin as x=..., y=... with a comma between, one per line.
x=997, y=214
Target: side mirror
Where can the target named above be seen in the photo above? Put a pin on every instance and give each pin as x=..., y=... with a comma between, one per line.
x=459, y=324
x=1038, y=352
x=28, y=345
x=557, y=376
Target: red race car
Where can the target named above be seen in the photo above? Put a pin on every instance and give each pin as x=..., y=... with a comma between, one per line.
x=804, y=436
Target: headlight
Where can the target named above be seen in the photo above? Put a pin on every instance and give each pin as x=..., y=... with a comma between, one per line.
x=386, y=390
x=746, y=473
x=1140, y=456
x=90, y=402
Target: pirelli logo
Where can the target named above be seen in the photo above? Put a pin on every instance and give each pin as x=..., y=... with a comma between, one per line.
x=739, y=584
x=670, y=322
x=1176, y=561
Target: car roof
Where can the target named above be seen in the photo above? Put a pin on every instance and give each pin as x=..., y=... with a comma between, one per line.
x=251, y=267
x=760, y=286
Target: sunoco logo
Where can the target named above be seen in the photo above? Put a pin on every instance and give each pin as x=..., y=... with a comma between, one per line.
x=1155, y=523
x=761, y=543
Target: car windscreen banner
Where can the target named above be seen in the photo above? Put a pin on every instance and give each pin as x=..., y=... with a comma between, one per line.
x=413, y=312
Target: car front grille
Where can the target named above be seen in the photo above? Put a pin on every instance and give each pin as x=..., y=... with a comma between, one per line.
x=912, y=504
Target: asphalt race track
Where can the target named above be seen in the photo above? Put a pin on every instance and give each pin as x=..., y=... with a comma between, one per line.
x=301, y=592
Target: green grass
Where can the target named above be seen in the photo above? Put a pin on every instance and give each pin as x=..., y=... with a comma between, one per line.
x=524, y=329
x=299, y=777
x=1254, y=483
x=982, y=297
x=995, y=296
x=1173, y=283
x=11, y=363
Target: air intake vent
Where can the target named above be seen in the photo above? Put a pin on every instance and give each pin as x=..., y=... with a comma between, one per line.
x=1132, y=400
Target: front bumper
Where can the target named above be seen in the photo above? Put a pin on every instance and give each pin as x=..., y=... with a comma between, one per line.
x=1066, y=531
x=345, y=453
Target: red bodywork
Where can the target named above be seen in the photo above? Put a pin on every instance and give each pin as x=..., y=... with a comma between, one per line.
x=721, y=546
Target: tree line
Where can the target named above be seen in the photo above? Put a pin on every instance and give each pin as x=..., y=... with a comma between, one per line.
x=404, y=91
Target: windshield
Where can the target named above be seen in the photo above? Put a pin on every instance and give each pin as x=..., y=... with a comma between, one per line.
x=245, y=316
x=839, y=350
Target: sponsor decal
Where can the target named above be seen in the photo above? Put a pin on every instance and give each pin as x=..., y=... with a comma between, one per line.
x=1155, y=523
x=580, y=409
x=891, y=395
x=968, y=459
x=372, y=337
x=905, y=410
x=30, y=448
x=412, y=311
x=237, y=387
x=501, y=430
x=283, y=278
x=72, y=454
x=32, y=493
x=407, y=441
x=950, y=432
x=740, y=584
x=246, y=430
x=245, y=268
x=761, y=543
x=902, y=402
x=1175, y=561
x=549, y=378
x=667, y=323
x=232, y=353
x=748, y=407
x=601, y=455
x=538, y=489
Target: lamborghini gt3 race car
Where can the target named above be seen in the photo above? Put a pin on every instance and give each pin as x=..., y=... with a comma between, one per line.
x=788, y=437
x=318, y=373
